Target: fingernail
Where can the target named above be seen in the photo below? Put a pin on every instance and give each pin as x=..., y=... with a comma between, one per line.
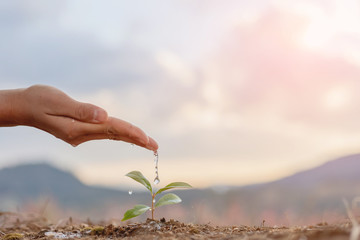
x=99, y=116
x=151, y=148
x=152, y=145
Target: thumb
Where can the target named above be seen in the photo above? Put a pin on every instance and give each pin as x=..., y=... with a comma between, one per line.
x=86, y=112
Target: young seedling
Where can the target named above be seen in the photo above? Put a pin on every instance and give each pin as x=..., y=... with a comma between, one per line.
x=167, y=199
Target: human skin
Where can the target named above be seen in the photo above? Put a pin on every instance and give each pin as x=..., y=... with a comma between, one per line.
x=51, y=110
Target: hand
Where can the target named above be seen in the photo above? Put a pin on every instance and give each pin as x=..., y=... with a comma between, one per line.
x=53, y=111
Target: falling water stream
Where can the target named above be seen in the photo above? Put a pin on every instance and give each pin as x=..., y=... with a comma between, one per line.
x=156, y=161
x=156, y=179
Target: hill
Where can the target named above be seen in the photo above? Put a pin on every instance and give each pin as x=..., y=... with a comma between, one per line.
x=41, y=182
x=307, y=196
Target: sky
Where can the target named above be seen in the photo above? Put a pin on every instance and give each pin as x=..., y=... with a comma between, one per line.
x=235, y=92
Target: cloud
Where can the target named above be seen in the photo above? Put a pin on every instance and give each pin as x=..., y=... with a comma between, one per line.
x=227, y=83
x=17, y=14
x=262, y=67
x=37, y=48
x=176, y=68
x=265, y=96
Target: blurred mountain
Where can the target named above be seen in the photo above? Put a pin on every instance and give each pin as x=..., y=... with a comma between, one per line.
x=26, y=183
x=309, y=195
x=341, y=171
x=322, y=187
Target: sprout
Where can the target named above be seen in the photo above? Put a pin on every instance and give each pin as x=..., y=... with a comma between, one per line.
x=167, y=199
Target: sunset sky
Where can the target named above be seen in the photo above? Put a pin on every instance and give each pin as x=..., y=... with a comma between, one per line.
x=235, y=92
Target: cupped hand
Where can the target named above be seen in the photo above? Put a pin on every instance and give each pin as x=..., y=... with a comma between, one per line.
x=51, y=110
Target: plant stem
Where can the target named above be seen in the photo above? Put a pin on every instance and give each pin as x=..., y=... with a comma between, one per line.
x=152, y=206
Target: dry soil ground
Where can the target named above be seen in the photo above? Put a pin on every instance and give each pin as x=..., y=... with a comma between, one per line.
x=38, y=228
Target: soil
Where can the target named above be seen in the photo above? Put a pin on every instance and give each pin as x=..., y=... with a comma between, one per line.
x=38, y=228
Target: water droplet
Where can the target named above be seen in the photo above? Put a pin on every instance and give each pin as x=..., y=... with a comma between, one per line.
x=156, y=180
x=154, y=200
x=130, y=192
x=150, y=209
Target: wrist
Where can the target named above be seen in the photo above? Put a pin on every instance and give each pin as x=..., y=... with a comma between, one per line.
x=11, y=107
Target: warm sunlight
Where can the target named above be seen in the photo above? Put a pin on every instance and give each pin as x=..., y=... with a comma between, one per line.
x=337, y=98
x=318, y=33
x=319, y=28
x=255, y=104
x=326, y=25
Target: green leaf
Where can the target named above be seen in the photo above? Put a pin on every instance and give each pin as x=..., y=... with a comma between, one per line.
x=137, y=176
x=135, y=211
x=174, y=185
x=167, y=199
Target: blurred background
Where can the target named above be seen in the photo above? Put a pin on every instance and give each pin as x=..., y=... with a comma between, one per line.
x=238, y=94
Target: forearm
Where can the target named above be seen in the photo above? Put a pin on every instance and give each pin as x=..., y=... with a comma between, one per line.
x=10, y=107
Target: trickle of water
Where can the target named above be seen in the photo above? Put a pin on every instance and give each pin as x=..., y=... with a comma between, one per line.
x=156, y=158
x=130, y=192
x=156, y=161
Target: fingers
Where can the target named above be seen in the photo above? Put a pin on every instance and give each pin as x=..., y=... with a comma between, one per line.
x=77, y=132
x=89, y=113
x=85, y=112
x=85, y=138
x=152, y=145
x=118, y=127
